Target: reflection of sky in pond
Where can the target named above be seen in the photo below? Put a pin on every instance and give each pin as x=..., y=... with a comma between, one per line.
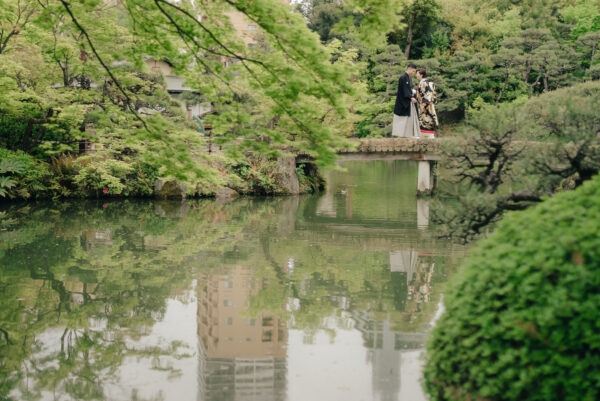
x=302, y=298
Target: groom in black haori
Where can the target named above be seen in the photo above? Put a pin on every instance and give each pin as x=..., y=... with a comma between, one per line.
x=406, y=120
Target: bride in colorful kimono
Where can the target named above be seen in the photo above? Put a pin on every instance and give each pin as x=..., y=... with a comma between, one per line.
x=428, y=121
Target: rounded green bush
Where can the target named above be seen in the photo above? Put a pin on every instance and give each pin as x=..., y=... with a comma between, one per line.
x=522, y=319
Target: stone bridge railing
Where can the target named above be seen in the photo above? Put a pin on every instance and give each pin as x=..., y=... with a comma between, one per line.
x=412, y=148
x=388, y=148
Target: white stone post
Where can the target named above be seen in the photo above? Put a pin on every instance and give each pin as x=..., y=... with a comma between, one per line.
x=425, y=180
x=422, y=213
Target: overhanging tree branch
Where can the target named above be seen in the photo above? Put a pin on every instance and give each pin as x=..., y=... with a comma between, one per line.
x=243, y=60
x=130, y=105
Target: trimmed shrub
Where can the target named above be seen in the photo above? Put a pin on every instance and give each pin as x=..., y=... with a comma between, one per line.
x=522, y=319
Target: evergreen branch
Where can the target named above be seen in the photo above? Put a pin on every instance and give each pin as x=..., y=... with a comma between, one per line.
x=524, y=196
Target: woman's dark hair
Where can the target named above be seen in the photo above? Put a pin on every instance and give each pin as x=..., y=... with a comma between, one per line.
x=423, y=72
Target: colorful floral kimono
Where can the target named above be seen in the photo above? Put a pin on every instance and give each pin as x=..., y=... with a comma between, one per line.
x=428, y=121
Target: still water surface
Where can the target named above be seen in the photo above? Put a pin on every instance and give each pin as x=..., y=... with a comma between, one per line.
x=326, y=297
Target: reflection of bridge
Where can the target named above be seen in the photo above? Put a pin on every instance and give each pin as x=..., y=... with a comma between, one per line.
x=376, y=240
x=343, y=203
x=322, y=222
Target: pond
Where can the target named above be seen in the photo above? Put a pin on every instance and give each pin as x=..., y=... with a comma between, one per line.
x=321, y=297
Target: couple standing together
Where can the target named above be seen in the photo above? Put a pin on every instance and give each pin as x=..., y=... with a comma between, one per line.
x=408, y=123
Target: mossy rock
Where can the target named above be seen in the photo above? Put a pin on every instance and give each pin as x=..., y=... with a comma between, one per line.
x=169, y=189
x=522, y=319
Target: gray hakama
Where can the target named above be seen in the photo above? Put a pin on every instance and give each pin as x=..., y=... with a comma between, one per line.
x=406, y=126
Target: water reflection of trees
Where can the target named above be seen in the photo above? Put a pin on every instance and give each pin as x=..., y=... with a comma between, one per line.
x=81, y=283
x=290, y=267
x=325, y=271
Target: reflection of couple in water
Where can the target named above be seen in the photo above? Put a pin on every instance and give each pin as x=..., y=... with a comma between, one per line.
x=414, y=112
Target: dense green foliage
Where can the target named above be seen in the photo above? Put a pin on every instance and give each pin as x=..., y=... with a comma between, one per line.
x=477, y=52
x=516, y=154
x=74, y=79
x=20, y=174
x=521, y=321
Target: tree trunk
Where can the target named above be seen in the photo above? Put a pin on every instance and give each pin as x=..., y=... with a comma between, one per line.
x=531, y=86
x=503, y=88
x=467, y=102
x=65, y=72
x=545, y=82
x=592, y=60
x=526, y=77
x=27, y=135
x=387, y=88
x=409, y=36
x=4, y=43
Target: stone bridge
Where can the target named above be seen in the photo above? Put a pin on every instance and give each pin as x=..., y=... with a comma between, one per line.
x=392, y=149
x=426, y=151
